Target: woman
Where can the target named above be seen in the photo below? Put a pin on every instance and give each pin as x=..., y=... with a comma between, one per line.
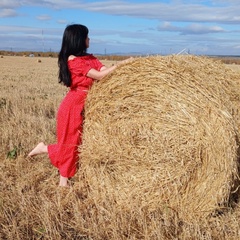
x=77, y=70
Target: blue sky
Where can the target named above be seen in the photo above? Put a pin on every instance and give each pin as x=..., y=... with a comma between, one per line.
x=124, y=26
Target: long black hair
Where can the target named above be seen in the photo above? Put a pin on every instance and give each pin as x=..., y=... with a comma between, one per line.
x=73, y=43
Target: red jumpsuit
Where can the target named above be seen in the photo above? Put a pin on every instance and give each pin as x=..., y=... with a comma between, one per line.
x=64, y=154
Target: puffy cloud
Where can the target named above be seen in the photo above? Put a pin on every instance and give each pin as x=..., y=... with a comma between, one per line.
x=44, y=17
x=185, y=11
x=62, y=21
x=194, y=28
x=4, y=13
x=9, y=4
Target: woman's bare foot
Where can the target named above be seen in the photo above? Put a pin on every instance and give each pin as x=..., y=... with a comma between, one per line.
x=63, y=181
x=39, y=149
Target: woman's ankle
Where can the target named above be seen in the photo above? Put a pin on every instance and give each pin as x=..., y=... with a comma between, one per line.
x=63, y=182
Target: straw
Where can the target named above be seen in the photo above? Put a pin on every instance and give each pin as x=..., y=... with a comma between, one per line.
x=160, y=133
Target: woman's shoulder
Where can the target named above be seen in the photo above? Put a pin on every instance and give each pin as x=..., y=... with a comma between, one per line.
x=71, y=57
x=88, y=55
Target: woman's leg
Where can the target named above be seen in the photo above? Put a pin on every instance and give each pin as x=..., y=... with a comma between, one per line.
x=39, y=149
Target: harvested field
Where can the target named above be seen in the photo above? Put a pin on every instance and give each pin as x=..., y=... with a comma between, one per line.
x=119, y=194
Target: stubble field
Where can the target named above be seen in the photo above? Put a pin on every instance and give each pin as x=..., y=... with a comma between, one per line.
x=32, y=206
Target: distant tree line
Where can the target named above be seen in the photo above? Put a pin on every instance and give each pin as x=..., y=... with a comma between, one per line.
x=28, y=53
x=55, y=55
x=224, y=59
x=230, y=60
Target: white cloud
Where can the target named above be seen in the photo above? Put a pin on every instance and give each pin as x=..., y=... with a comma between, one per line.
x=4, y=13
x=44, y=17
x=194, y=28
x=6, y=4
x=185, y=11
x=29, y=38
x=62, y=21
x=173, y=11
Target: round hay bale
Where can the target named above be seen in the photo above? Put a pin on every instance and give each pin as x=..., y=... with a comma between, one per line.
x=158, y=133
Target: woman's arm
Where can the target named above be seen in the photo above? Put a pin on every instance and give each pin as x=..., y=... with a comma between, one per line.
x=103, y=68
x=98, y=75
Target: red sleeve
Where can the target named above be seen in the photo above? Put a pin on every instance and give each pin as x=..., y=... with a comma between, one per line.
x=79, y=67
x=99, y=64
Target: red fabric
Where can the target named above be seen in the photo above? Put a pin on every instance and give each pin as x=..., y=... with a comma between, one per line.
x=64, y=154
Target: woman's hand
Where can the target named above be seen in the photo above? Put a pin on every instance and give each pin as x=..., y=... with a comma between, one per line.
x=98, y=75
x=125, y=61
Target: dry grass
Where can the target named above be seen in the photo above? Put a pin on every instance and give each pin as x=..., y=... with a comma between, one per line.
x=33, y=207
